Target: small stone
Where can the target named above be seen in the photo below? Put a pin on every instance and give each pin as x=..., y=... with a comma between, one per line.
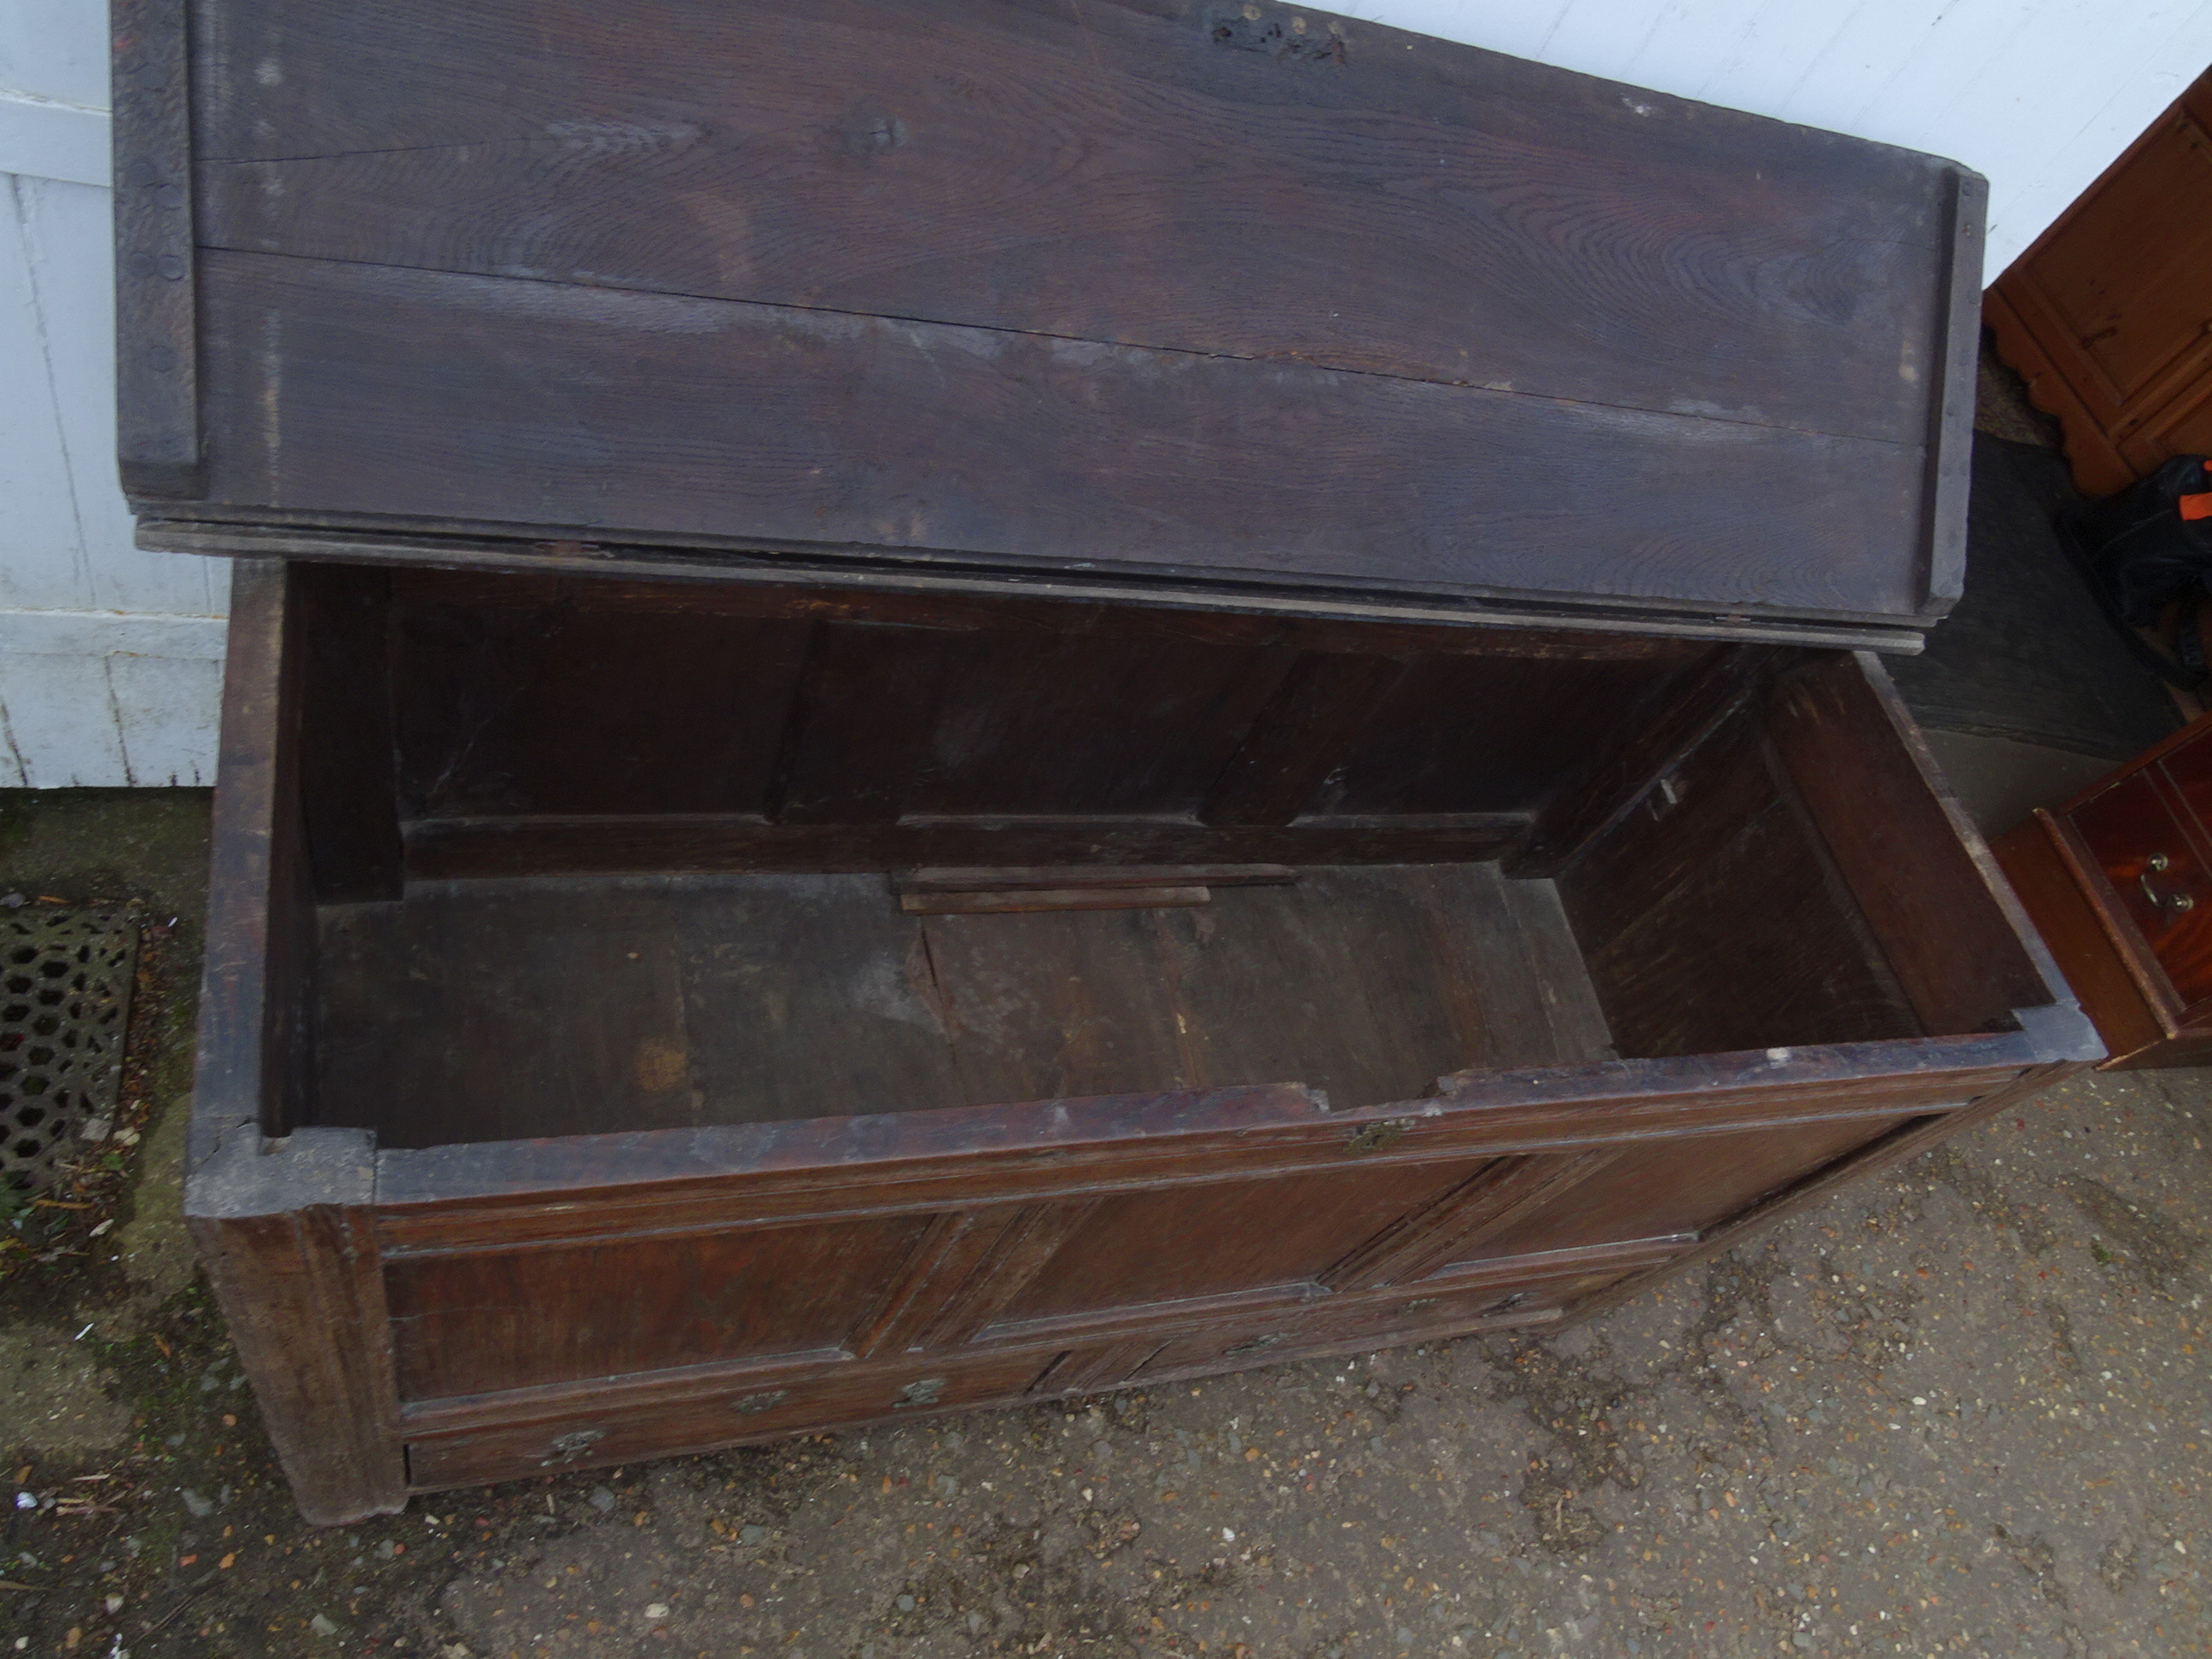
x=752, y=1534
x=321, y=1625
x=95, y=1128
x=114, y=1604
x=905, y=1603
x=602, y=1499
x=656, y=1609
x=200, y=1507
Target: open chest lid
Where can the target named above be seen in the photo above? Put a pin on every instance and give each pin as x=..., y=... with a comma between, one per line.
x=1237, y=305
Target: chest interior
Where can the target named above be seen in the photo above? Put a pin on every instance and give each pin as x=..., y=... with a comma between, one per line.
x=589, y=854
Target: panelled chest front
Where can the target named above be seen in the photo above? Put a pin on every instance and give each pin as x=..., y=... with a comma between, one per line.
x=933, y=705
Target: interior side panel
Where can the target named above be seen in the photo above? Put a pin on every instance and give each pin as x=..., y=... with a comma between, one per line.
x=1713, y=918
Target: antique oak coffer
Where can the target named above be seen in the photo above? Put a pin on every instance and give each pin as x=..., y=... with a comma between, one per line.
x=937, y=704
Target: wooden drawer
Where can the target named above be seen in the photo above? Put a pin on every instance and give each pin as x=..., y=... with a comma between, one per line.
x=610, y=1432
x=2151, y=849
x=2119, y=879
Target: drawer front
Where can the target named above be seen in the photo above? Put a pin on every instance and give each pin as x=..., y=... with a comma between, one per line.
x=2140, y=830
x=586, y=1439
x=1427, y=1311
x=1419, y=1313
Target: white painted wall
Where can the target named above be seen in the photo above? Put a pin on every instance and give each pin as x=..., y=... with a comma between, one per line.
x=2038, y=96
x=110, y=658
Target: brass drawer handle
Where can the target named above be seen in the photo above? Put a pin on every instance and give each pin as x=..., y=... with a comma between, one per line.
x=2173, y=903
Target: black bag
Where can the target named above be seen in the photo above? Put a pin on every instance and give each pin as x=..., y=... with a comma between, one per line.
x=2147, y=548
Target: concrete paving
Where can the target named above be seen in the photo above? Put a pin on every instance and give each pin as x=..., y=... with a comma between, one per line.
x=1963, y=1410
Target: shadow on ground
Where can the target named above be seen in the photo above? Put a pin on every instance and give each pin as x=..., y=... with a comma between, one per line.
x=1960, y=1410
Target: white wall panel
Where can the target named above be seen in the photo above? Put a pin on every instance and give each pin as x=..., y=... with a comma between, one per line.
x=42, y=559
x=56, y=50
x=48, y=140
x=167, y=709
x=101, y=697
x=58, y=717
x=2039, y=95
x=107, y=721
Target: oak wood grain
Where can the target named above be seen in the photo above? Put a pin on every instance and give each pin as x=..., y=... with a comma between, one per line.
x=434, y=395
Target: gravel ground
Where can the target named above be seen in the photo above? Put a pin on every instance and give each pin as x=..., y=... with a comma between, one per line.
x=1961, y=1410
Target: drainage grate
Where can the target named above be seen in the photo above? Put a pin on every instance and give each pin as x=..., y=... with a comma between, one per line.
x=65, y=1000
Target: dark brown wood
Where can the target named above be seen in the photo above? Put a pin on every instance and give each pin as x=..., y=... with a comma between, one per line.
x=1045, y=878
x=1455, y=1225
x=525, y=845
x=1022, y=900
x=287, y=1236
x=1950, y=441
x=1305, y=732
x=1638, y=755
x=930, y=1280
x=253, y=1065
x=1101, y=127
x=1929, y=890
x=493, y=702
x=670, y=1161
x=1567, y=1017
x=347, y=755
x=858, y=736
x=982, y=701
x=741, y=564
x=1575, y=365
x=1908, y=1141
x=919, y=712
x=607, y=584
x=422, y=393
x=1711, y=919
x=158, y=443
